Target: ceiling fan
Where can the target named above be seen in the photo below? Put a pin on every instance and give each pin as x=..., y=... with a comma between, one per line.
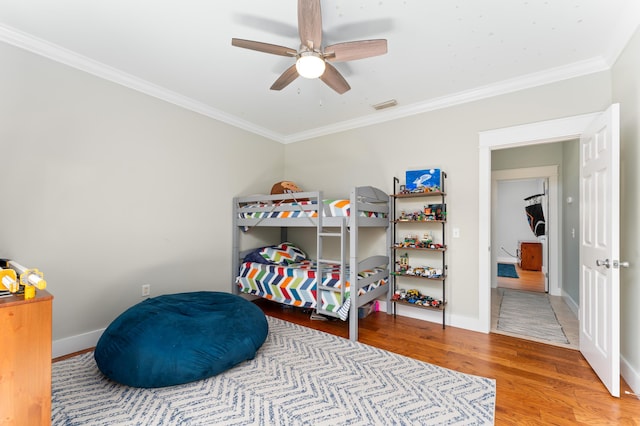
x=312, y=60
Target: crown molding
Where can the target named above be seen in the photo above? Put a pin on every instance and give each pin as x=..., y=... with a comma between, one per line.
x=59, y=54
x=576, y=69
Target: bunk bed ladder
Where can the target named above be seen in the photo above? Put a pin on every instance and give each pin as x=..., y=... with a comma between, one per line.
x=323, y=264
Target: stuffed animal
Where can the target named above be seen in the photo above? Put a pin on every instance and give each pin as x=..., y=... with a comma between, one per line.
x=286, y=187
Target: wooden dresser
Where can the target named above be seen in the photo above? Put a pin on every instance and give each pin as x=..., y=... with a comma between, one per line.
x=531, y=256
x=25, y=360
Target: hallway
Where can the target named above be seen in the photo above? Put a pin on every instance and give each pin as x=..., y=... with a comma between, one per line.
x=534, y=281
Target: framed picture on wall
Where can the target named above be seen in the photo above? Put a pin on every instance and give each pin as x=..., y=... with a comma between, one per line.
x=424, y=179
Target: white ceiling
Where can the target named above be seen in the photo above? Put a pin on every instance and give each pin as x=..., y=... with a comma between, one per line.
x=441, y=52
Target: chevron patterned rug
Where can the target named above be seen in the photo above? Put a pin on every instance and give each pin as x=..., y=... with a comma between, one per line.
x=299, y=377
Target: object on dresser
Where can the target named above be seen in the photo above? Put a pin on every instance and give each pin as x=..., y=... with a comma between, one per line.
x=17, y=279
x=8, y=282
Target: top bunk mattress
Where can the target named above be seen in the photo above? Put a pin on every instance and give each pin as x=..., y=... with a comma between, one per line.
x=308, y=208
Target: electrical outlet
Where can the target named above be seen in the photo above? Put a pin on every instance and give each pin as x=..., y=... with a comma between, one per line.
x=146, y=290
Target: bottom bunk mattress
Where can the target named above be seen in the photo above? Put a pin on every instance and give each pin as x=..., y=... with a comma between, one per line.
x=296, y=284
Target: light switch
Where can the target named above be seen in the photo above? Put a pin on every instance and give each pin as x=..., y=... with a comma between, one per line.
x=456, y=232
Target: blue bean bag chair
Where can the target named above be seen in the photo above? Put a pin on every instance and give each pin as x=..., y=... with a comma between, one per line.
x=179, y=338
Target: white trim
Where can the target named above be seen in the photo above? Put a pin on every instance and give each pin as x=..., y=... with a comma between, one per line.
x=571, y=304
x=528, y=134
x=484, y=241
x=577, y=69
x=72, y=344
x=435, y=317
x=630, y=375
x=542, y=132
x=553, y=229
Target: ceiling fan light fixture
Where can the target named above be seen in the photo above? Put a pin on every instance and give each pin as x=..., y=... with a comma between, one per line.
x=310, y=65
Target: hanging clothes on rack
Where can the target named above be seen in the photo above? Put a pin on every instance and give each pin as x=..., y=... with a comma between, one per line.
x=535, y=214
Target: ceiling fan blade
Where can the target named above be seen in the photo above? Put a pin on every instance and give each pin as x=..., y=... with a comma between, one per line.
x=286, y=78
x=264, y=47
x=334, y=79
x=352, y=50
x=310, y=23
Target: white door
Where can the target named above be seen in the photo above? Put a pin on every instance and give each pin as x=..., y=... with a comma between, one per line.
x=600, y=247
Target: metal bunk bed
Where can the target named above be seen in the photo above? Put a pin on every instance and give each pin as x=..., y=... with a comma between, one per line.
x=368, y=208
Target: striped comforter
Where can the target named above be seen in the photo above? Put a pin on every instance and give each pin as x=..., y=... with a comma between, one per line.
x=332, y=208
x=296, y=284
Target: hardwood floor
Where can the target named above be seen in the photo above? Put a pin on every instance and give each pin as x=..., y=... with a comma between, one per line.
x=537, y=384
x=534, y=281
x=527, y=280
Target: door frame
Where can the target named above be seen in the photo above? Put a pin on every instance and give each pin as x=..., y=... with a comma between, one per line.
x=509, y=137
x=552, y=265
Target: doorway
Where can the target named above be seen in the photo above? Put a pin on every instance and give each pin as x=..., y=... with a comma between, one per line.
x=514, y=235
x=521, y=245
x=517, y=136
x=597, y=132
x=510, y=229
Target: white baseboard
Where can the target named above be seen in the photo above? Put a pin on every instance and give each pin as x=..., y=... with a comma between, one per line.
x=630, y=375
x=434, y=316
x=72, y=344
x=571, y=303
x=88, y=340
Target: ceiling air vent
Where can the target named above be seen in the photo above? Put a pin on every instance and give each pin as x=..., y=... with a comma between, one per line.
x=386, y=104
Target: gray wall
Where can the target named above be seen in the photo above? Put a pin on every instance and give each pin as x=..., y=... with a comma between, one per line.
x=549, y=154
x=105, y=189
x=446, y=138
x=570, y=220
x=510, y=219
x=626, y=91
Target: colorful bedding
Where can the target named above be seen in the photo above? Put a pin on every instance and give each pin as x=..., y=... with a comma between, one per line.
x=295, y=284
x=332, y=208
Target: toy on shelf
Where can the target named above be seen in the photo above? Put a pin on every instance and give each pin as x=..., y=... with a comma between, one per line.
x=414, y=297
x=412, y=241
x=403, y=268
x=428, y=213
x=402, y=265
x=421, y=190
